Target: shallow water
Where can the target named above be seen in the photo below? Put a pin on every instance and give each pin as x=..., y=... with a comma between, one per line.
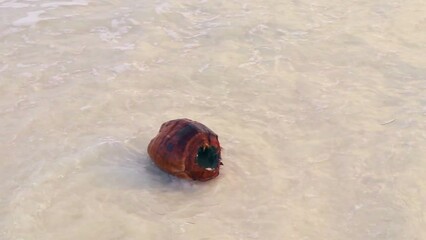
x=320, y=107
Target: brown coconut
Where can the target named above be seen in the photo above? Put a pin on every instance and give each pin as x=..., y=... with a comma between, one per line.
x=186, y=149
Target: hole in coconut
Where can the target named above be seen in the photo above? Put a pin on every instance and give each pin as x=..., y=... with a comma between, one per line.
x=207, y=158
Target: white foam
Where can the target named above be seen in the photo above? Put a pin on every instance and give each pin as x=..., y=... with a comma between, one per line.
x=31, y=19
x=60, y=4
x=162, y=8
x=14, y=4
x=126, y=46
x=122, y=67
x=4, y=67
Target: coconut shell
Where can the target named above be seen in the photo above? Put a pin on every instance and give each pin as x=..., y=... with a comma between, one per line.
x=186, y=149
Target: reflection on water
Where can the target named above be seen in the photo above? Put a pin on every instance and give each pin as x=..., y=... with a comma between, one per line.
x=320, y=107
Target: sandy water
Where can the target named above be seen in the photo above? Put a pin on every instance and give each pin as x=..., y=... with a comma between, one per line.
x=320, y=107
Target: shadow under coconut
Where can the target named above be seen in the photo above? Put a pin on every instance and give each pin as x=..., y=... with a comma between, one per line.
x=119, y=166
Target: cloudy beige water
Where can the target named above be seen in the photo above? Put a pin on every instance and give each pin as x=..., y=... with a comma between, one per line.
x=320, y=107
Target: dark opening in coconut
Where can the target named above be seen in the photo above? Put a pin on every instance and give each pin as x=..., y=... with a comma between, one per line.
x=207, y=157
